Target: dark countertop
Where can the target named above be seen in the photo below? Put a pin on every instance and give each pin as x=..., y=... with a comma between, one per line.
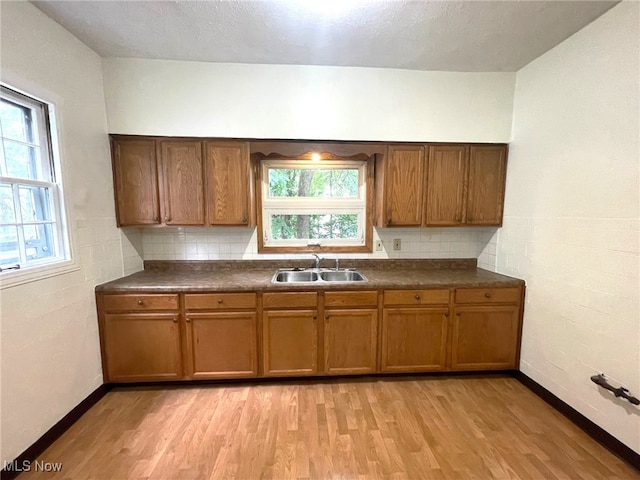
x=212, y=276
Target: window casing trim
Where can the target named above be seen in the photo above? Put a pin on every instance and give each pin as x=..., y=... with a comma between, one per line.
x=364, y=242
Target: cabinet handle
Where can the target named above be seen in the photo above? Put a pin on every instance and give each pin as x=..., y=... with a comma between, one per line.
x=487, y=295
x=140, y=302
x=245, y=219
x=417, y=297
x=175, y=320
x=188, y=320
x=327, y=317
x=446, y=314
x=219, y=301
x=457, y=314
x=167, y=219
x=389, y=222
x=155, y=218
x=315, y=317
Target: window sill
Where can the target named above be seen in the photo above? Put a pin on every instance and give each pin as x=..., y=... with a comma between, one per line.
x=13, y=278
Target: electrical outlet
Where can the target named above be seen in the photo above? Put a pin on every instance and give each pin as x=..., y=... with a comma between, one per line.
x=397, y=244
x=378, y=245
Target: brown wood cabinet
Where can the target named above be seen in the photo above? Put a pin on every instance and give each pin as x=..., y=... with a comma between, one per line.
x=182, y=183
x=140, y=337
x=230, y=184
x=135, y=181
x=400, y=186
x=486, y=329
x=414, y=330
x=221, y=335
x=465, y=185
x=350, y=332
x=289, y=333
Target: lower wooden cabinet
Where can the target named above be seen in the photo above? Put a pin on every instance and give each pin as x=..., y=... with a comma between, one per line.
x=141, y=347
x=290, y=343
x=222, y=345
x=485, y=337
x=414, y=339
x=350, y=338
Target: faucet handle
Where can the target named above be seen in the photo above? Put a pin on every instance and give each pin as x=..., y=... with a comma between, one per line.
x=337, y=263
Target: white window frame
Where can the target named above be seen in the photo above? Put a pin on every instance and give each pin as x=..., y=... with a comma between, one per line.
x=314, y=205
x=49, y=171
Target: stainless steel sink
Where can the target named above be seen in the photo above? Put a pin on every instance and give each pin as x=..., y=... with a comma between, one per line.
x=295, y=276
x=342, y=276
x=313, y=275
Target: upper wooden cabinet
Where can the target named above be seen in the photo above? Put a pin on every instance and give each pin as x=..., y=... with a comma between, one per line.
x=229, y=183
x=400, y=185
x=446, y=175
x=135, y=181
x=465, y=185
x=182, y=183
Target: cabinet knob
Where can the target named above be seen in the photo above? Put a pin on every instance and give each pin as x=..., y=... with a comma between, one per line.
x=469, y=219
x=140, y=302
x=167, y=219
x=188, y=320
x=315, y=317
x=245, y=219
x=327, y=317
x=389, y=221
x=155, y=218
x=219, y=301
x=175, y=320
x=457, y=314
x=487, y=295
x=417, y=297
x=446, y=314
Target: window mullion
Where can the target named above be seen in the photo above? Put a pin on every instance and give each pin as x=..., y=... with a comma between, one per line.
x=18, y=213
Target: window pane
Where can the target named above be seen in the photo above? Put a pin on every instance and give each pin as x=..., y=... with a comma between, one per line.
x=34, y=204
x=9, y=250
x=21, y=160
x=7, y=210
x=16, y=122
x=316, y=226
x=38, y=240
x=299, y=182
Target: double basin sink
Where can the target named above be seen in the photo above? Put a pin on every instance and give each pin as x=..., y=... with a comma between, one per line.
x=313, y=275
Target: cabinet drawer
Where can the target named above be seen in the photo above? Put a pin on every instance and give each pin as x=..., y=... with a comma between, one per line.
x=219, y=301
x=141, y=302
x=416, y=297
x=367, y=298
x=289, y=299
x=488, y=295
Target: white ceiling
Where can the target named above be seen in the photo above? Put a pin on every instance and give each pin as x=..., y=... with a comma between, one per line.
x=473, y=36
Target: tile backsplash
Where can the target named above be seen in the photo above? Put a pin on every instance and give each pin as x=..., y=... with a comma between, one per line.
x=228, y=243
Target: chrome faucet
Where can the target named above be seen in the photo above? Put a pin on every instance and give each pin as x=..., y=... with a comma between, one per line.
x=318, y=259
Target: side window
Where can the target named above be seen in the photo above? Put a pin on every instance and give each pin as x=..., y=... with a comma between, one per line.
x=32, y=231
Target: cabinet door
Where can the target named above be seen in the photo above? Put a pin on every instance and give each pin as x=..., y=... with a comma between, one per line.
x=446, y=185
x=350, y=341
x=142, y=346
x=229, y=183
x=404, y=186
x=485, y=338
x=290, y=342
x=136, y=182
x=222, y=345
x=487, y=168
x=414, y=339
x=182, y=183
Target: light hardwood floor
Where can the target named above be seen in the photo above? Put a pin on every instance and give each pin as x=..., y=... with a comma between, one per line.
x=409, y=428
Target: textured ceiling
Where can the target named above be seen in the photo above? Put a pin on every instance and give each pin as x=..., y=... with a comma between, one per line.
x=468, y=36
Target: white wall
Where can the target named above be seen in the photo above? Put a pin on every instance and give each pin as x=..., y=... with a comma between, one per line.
x=571, y=226
x=156, y=97
x=50, y=356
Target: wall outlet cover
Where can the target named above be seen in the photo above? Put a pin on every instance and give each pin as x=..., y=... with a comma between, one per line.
x=397, y=244
x=378, y=245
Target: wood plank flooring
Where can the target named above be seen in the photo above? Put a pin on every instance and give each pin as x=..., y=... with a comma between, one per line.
x=409, y=428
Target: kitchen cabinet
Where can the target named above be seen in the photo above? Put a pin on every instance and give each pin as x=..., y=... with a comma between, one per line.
x=465, y=185
x=140, y=337
x=486, y=329
x=221, y=335
x=230, y=184
x=350, y=332
x=400, y=186
x=135, y=181
x=182, y=183
x=290, y=334
x=414, y=330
